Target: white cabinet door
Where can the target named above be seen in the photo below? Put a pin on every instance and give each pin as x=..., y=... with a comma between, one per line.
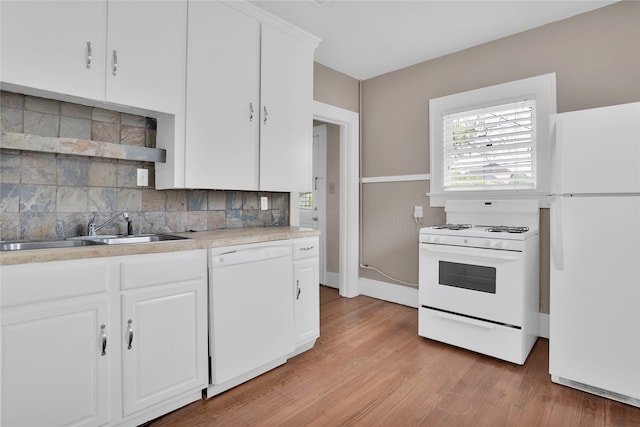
x=54, y=369
x=286, y=114
x=164, y=329
x=146, y=54
x=223, y=78
x=44, y=46
x=306, y=299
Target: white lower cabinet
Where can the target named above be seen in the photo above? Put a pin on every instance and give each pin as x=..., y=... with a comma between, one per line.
x=54, y=372
x=164, y=324
x=57, y=346
x=263, y=308
x=306, y=291
x=66, y=359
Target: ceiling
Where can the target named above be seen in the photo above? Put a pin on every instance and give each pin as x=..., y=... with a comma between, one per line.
x=364, y=39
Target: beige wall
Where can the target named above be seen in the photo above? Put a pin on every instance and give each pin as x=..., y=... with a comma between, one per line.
x=596, y=57
x=334, y=88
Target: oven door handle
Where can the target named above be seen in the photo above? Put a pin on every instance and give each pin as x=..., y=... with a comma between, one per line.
x=471, y=252
x=466, y=320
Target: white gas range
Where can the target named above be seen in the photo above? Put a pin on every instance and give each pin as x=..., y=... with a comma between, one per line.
x=479, y=277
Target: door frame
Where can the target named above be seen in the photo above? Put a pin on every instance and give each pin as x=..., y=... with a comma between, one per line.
x=319, y=196
x=322, y=199
x=349, y=123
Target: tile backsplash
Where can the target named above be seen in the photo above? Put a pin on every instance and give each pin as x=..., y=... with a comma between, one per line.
x=46, y=195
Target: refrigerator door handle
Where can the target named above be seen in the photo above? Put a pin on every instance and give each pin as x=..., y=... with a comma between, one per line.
x=556, y=156
x=556, y=238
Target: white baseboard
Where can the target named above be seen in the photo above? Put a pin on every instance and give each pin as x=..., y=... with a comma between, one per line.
x=543, y=326
x=408, y=296
x=391, y=292
x=332, y=280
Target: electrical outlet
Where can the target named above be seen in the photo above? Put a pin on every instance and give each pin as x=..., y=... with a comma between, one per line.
x=264, y=203
x=143, y=177
x=417, y=213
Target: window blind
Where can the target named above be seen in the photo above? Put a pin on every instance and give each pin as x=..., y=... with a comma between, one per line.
x=490, y=148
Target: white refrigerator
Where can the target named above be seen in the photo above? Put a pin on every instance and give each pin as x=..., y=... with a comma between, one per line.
x=594, y=336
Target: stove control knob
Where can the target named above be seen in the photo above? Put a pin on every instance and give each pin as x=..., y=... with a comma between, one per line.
x=496, y=244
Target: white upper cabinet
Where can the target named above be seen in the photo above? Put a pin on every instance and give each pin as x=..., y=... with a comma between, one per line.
x=286, y=145
x=146, y=54
x=223, y=104
x=130, y=53
x=54, y=46
x=249, y=104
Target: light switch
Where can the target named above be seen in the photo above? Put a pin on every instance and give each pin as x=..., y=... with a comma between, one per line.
x=143, y=177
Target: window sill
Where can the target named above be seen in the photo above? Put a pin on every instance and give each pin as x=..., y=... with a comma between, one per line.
x=438, y=199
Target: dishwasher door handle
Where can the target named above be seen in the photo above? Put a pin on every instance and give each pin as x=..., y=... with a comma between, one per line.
x=243, y=256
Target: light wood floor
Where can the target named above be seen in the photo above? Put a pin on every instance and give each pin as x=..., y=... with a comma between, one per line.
x=370, y=368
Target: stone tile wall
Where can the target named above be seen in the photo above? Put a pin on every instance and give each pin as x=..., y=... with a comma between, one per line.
x=44, y=195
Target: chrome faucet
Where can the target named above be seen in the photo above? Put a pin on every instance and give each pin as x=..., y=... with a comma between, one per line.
x=92, y=229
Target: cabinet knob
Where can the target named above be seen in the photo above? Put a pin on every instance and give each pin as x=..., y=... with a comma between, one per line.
x=251, y=111
x=298, y=287
x=103, y=338
x=266, y=114
x=130, y=333
x=89, y=55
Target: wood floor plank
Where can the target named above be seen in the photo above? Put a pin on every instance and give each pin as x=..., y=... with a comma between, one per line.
x=370, y=368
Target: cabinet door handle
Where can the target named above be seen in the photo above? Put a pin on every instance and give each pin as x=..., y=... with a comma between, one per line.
x=115, y=62
x=266, y=114
x=103, y=338
x=298, y=286
x=88, y=54
x=130, y=333
x=251, y=111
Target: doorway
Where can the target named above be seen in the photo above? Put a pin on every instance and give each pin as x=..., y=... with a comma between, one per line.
x=349, y=188
x=349, y=199
x=313, y=204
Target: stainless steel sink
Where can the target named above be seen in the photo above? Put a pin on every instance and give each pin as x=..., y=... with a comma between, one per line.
x=45, y=244
x=136, y=238
x=85, y=241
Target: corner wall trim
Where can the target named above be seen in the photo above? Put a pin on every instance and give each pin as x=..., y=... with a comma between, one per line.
x=543, y=325
x=391, y=292
x=396, y=178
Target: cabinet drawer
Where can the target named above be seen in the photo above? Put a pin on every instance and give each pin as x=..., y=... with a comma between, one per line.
x=484, y=337
x=156, y=269
x=305, y=248
x=39, y=282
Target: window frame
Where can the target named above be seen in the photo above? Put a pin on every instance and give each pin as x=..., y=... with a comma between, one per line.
x=541, y=88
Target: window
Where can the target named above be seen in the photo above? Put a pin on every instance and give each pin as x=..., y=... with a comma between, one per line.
x=490, y=148
x=305, y=201
x=492, y=142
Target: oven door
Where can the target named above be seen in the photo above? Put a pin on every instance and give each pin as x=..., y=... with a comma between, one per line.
x=479, y=283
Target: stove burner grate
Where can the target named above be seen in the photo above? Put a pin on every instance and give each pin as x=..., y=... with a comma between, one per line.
x=452, y=226
x=507, y=229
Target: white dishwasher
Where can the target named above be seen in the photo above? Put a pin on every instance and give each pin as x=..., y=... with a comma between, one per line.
x=250, y=311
